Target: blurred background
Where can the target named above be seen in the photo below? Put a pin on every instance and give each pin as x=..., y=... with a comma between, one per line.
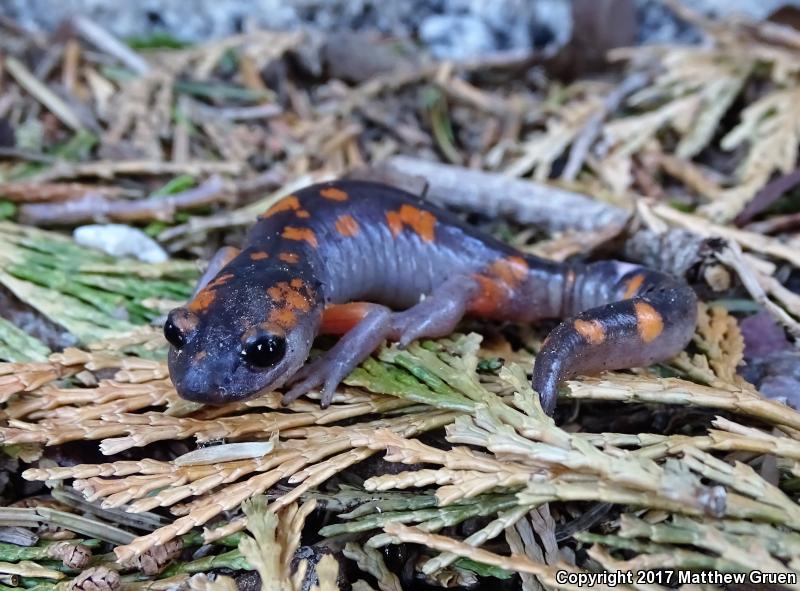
x=449, y=29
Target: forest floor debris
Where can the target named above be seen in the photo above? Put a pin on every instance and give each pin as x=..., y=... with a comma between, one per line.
x=435, y=464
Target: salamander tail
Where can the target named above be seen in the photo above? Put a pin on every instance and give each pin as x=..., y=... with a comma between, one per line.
x=622, y=316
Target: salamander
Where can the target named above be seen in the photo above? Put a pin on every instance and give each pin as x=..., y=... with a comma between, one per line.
x=371, y=262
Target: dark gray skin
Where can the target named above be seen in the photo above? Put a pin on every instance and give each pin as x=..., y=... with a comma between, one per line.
x=251, y=325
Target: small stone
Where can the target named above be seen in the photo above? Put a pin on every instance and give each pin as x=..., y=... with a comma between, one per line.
x=120, y=240
x=456, y=37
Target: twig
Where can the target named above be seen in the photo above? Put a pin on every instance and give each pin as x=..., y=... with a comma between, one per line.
x=748, y=240
x=768, y=195
x=513, y=563
x=181, y=235
x=94, y=207
x=239, y=217
x=69, y=496
x=181, y=130
x=589, y=134
x=107, y=169
x=25, y=192
x=17, y=153
x=7, y=101
x=199, y=111
x=43, y=94
x=495, y=527
x=461, y=90
x=745, y=401
x=781, y=223
x=104, y=40
x=680, y=253
x=497, y=195
x=70, y=65
x=508, y=59
x=82, y=525
x=732, y=256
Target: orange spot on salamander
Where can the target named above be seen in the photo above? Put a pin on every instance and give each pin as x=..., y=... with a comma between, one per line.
x=492, y=294
x=221, y=280
x=287, y=299
x=648, y=321
x=283, y=317
x=289, y=203
x=346, y=225
x=294, y=298
x=334, y=194
x=512, y=270
x=422, y=222
x=633, y=285
x=202, y=301
x=298, y=301
x=394, y=222
x=277, y=292
x=497, y=285
x=591, y=330
x=288, y=257
x=258, y=256
x=207, y=295
x=302, y=213
x=307, y=234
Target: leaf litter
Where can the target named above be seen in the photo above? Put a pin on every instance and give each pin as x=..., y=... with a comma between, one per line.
x=434, y=463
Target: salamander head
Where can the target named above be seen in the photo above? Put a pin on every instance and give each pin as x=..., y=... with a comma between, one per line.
x=235, y=340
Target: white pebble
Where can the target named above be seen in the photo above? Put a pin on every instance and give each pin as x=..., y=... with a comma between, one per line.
x=121, y=241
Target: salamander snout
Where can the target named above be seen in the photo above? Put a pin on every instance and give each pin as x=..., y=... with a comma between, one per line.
x=219, y=362
x=206, y=388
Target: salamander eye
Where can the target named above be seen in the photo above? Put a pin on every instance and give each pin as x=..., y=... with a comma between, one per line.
x=264, y=350
x=173, y=334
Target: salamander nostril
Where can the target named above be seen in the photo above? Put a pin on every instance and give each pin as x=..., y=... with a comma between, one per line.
x=173, y=334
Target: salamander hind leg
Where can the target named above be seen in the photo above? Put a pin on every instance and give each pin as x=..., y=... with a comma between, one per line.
x=436, y=315
x=654, y=320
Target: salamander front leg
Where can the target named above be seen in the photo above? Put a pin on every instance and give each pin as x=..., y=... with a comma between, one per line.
x=329, y=369
x=437, y=315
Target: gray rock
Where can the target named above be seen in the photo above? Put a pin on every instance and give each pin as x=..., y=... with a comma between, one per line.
x=657, y=24
x=451, y=28
x=456, y=37
x=757, y=9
